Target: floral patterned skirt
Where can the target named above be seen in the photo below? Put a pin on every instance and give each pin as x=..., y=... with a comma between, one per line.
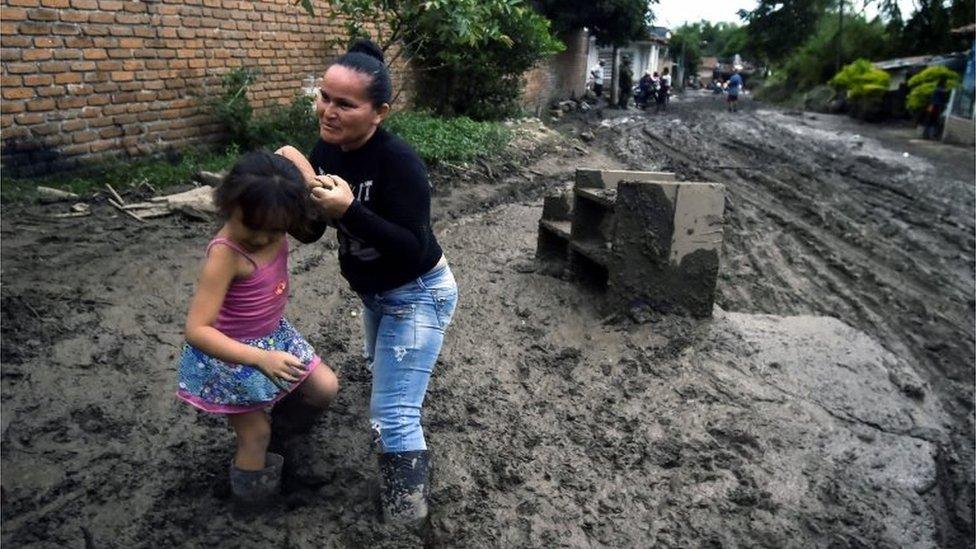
x=213, y=385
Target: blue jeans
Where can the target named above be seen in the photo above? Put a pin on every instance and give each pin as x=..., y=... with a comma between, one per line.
x=403, y=332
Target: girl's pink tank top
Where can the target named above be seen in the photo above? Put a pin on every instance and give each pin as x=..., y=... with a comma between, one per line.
x=254, y=304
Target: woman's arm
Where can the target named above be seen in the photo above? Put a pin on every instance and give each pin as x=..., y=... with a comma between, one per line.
x=218, y=272
x=311, y=229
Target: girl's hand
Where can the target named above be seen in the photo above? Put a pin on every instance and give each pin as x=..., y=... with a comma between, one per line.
x=336, y=200
x=280, y=367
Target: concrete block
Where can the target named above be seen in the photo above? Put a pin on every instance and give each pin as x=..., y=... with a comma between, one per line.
x=608, y=179
x=666, y=243
x=558, y=207
x=958, y=130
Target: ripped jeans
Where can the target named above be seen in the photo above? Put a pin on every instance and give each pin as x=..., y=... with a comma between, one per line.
x=403, y=332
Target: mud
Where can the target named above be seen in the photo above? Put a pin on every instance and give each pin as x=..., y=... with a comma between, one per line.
x=549, y=425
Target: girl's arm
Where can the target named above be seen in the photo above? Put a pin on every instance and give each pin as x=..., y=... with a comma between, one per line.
x=218, y=272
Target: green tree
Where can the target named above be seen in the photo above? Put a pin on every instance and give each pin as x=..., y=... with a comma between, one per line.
x=612, y=22
x=923, y=84
x=777, y=27
x=468, y=55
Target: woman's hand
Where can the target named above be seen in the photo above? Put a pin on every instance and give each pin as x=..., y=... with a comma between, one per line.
x=334, y=200
x=280, y=367
x=300, y=162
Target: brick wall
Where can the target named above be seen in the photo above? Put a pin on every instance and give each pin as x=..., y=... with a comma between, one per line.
x=559, y=77
x=84, y=80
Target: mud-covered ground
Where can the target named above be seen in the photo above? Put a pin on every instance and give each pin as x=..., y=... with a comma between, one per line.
x=550, y=425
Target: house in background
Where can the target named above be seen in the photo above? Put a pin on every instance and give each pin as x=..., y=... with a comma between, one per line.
x=564, y=75
x=960, y=127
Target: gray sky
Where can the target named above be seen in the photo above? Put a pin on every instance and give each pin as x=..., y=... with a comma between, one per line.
x=672, y=13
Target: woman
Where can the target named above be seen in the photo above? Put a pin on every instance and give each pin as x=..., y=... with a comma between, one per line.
x=373, y=188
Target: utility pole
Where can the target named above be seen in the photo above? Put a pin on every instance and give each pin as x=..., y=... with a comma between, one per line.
x=840, y=31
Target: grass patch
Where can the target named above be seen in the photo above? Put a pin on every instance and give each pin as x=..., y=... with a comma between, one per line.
x=121, y=174
x=448, y=140
x=437, y=140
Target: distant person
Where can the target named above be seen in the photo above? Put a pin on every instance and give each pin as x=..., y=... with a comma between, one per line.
x=597, y=74
x=645, y=89
x=625, y=82
x=241, y=355
x=663, y=90
x=933, y=114
x=733, y=88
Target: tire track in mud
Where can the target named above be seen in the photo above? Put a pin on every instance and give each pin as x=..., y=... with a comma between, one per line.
x=882, y=243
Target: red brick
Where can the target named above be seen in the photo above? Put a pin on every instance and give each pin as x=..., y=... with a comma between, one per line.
x=10, y=80
x=45, y=129
x=98, y=100
x=53, y=66
x=131, y=18
x=130, y=42
x=67, y=54
x=99, y=146
x=41, y=14
x=51, y=91
x=101, y=122
x=21, y=68
x=106, y=87
x=74, y=150
x=55, y=3
x=67, y=78
x=35, y=28
x=78, y=42
x=96, y=30
x=95, y=53
x=110, y=5
x=11, y=107
x=84, y=4
x=36, y=55
x=74, y=16
x=40, y=105
x=29, y=118
x=80, y=89
x=133, y=65
x=83, y=66
x=38, y=80
x=24, y=3
x=85, y=136
x=70, y=102
x=18, y=93
x=119, y=53
x=135, y=7
x=145, y=31
x=16, y=41
x=13, y=14
x=120, y=30
x=66, y=29
x=102, y=17
x=73, y=125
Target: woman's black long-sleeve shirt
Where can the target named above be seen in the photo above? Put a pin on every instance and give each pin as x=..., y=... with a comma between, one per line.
x=385, y=237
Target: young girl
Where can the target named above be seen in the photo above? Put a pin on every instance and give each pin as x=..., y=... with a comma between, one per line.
x=241, y=355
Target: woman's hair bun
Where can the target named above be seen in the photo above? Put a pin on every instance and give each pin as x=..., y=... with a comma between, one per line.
x=367, y=47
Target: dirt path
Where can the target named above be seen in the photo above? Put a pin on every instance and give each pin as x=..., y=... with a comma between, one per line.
x=830, y=216
x=550, y=428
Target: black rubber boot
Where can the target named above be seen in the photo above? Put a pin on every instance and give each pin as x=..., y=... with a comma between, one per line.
x=404, y=486
x=255, y=490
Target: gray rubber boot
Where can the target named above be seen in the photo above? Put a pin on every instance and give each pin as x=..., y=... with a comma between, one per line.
x=255, y=490
x=404, y=486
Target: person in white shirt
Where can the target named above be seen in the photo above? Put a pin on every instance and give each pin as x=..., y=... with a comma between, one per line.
x=597, y=74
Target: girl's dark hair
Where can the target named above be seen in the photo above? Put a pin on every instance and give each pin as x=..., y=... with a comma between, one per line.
x=366, y=57
x=269, y=190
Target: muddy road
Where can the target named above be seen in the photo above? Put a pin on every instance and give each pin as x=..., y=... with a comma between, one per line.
x=769, y=426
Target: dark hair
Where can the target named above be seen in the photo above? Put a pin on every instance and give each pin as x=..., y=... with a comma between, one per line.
x=269, y=190
x=366, y=57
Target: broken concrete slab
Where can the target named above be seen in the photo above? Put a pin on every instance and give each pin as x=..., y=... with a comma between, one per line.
x=608, y=179
x=666, y=245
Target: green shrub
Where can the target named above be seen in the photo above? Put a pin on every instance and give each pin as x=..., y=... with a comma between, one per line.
x=439, y=140
x=293, y=124
x=923, y=84
x=861, y=80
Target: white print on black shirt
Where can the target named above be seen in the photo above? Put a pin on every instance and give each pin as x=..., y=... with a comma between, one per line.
x=364, y=187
